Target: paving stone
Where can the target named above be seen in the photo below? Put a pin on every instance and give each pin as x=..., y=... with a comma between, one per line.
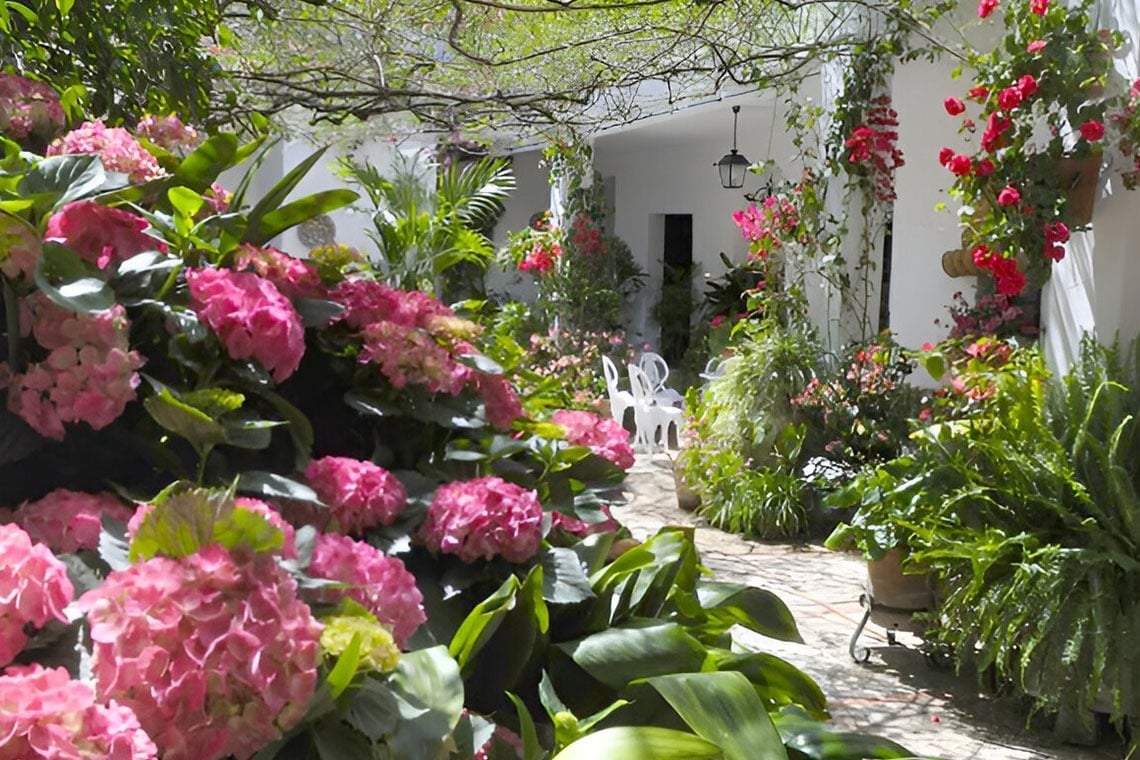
x=897, y=693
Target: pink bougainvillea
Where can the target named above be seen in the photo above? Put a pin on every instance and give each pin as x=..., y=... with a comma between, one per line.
x=768, y=226
x=45, y=714
x=292, y=276
x=214, y=652
x=483, y=518
x=603, y=435
x=100, y=234
x=89, y=374
x=359, y=494
x=377, y=582
x=115, y=146
x=250, y=317
x=67, y=521
x=34, y=588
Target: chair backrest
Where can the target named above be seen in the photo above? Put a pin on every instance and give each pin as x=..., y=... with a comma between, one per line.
x=640, y=385
x=611, y=372
x=655, y=368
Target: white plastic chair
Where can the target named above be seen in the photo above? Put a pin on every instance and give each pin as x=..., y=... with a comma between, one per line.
x=651, y=419
x=620, y=400
x=714, y=368
x=657, y=370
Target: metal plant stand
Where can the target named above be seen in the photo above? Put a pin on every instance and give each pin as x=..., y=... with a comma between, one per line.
x=892, y=619
x=890, y=600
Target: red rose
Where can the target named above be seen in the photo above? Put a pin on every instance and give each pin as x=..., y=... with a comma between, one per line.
x=1053, y=251
x=986, y=7
x=1027, y=86
x=1009, y=98
x=945, y=155
x=1056, y=232
x=984, y=168
x=978, y=93
x=960, y=164
x=953, y=106
x=1039, y=6
x=1092, y=130
x=1035, y=47
x=1009, y=196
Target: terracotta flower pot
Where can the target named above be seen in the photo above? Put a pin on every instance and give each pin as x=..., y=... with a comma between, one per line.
x=889, y=587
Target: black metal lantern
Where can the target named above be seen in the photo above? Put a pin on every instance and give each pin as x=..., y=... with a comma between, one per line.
x=733, y=166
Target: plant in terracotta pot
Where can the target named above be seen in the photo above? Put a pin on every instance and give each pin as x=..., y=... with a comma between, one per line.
x=1037, y=101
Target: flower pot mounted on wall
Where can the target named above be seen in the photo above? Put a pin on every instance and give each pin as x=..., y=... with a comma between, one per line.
x=1080, y=176
x=960, y=263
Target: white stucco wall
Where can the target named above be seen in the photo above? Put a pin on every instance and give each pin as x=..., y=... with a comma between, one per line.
x=677, y=176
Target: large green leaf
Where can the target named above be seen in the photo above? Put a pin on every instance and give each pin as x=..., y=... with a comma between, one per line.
x=756, y=609
x=184, y=419
x=483, y=621
x=776, y=681
x=70, y=283
x=638, y=649
x=640, y=743
x=723, y=708
x=185, y=518
x=279, y=192
x=275, y=222
x=429, y=694
x=201, y=168
x=69, y=178
x=564, y=581
x=806, y=738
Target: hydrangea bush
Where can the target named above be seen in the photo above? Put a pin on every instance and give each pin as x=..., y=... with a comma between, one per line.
x=257, y=505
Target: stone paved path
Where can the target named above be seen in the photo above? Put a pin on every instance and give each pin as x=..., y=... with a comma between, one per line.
x=896, y=694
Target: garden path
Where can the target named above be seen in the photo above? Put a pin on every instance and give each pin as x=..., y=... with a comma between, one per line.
x=895, y=694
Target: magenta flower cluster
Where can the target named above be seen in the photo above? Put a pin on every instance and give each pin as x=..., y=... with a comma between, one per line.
x=379, y=583
x=116, y=147
x=483, y=518
x=603, y=435
x=100, y=234
x=89, y=374
x=34, y=588
x=215, y=653
x=360, y=495
x=410, y=337
x=250, y=316
x=290, y=275
x=27, y=107
x=168, y=133
x=67, y=521
x=45, y=714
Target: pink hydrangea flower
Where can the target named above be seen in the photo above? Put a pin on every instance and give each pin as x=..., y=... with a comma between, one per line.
x=28, y=107
x=366, y=302
x=89, y=375
x=43, y=713
x=377, y=582
x=34, y=588
x=581, y=527
x=168, y=132
x=118, y=150
x=483, y=518
x=500, y=402
x=250, y=316
x=214, y=652
x=292, y=276
x=67, y=521
x=19, y=249
x=405, y=355
x=603, y=435
x=361, y=495
x=100, y=234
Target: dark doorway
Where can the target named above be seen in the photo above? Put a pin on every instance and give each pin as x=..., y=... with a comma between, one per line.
x=885, y=282
x=676, y=306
